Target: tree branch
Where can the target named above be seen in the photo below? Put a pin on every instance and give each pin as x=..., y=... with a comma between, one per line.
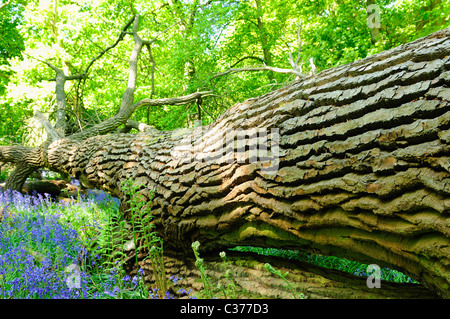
x=61, y=102
x=98, y=56
x=54, y=68
x=245, y=58
x=51, y=132
x=3, y=75
x=61, y=78
x=17, y=178
x=299, y=42
x=120, y=38
x=5, y=4
x=152, y=60
x=296, y=67
x=313, y=66
x=127, y=107
x=71, y=77
x=181, y=100
x=295, y=64
x=261, y=68
x=22, y=154
x=141, y=127
x=201, y=107
x=149, y=42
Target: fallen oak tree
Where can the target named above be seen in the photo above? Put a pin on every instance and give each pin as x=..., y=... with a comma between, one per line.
x=351, y=162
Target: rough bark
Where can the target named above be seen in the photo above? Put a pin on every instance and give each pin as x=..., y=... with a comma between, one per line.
x=363, y=169
x=248, y=278
x=19, y=176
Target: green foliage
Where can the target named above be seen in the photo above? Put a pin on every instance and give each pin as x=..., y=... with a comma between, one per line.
x=226, y=285
x=11, y=41
x=207, y=291
x=5, y=170
x=11, y=45
x=102, y=231
x=111, y=238
x=278, y=273
x=41, y=238
x=194, y=41
x=142, y=226
x=330, y=262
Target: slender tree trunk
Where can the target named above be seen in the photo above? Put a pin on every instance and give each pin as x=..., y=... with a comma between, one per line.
x=430, y=6
x=263, y=36
x=351, y=162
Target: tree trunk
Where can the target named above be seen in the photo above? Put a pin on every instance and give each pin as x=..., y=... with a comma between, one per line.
x=263, y=35
x=351, y=162
x=248, y=278
x=18, y=177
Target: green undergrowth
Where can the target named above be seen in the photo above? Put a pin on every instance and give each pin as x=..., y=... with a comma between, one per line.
x=329, y=262
x=99, y=234
x=75, y=248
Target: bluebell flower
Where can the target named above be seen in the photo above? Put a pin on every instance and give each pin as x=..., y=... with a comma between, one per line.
x=175, y=279
x=168, y=295
x=36, y=247
x=75, y=182
x=135, y=281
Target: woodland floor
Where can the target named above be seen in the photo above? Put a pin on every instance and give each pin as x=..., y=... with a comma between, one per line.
x=41, y=237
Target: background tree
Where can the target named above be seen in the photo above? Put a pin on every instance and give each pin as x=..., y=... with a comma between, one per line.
x=195, y=41
x=11, y=45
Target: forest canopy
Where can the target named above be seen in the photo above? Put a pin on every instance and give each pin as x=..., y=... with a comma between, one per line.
x=195, y=45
